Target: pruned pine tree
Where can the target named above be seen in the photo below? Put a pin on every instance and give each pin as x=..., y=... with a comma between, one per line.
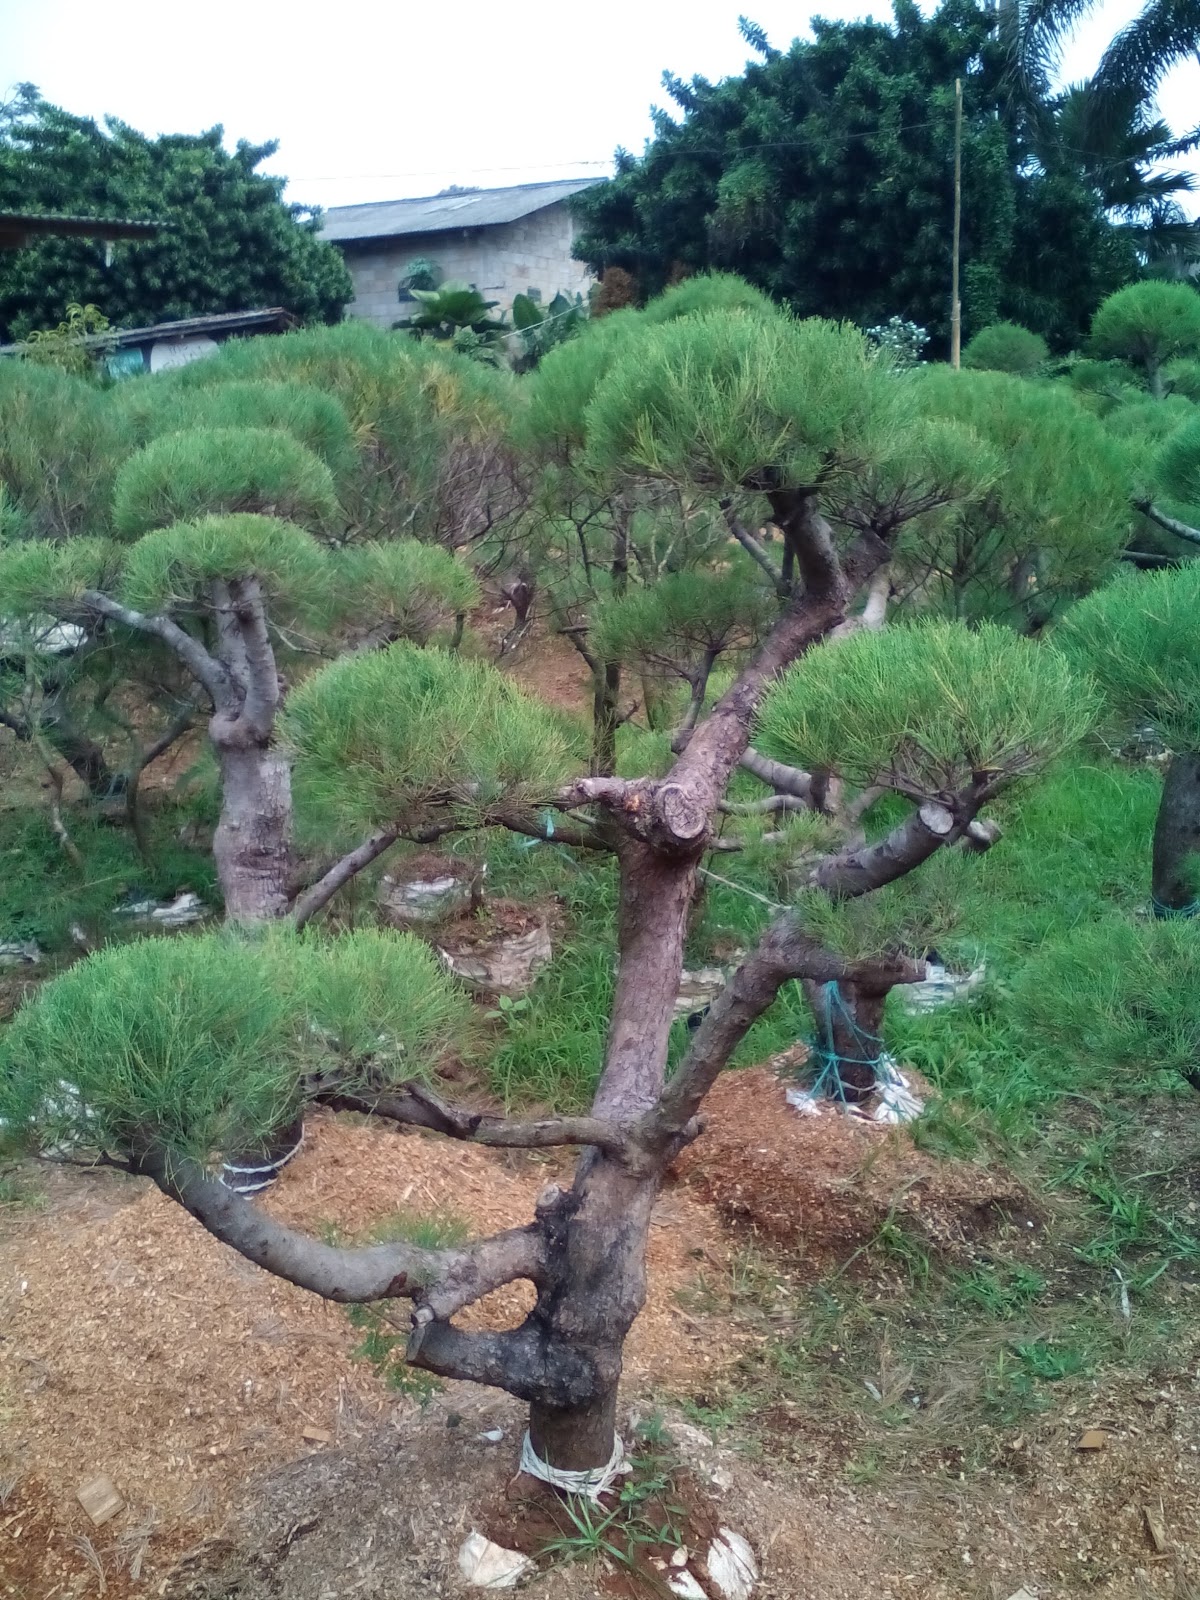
x=1137, y=637
x=412, y=443
x=214, y=590
x=727, y=405
x=1051, y=511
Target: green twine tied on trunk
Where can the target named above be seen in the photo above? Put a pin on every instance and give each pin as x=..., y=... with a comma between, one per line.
x=829, y=1078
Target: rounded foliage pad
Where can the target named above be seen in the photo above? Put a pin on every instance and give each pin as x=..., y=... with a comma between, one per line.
x=1137, y=637
x=201, y=1043
x=210, y=470
x=926, y=708
x=176, y=565
x=384, y=736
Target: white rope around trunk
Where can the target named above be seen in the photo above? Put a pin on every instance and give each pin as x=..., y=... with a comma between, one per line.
x=589, y=1484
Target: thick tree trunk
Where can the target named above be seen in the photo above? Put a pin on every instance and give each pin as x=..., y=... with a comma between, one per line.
x=849, y=1033
x=596, y=1234
x=1176, y=858
x=252, y=843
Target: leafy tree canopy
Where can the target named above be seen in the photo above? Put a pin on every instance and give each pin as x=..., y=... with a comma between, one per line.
x=231, y=242
x=823, y=175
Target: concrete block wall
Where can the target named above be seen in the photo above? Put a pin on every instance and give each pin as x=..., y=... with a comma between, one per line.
x=502, y=262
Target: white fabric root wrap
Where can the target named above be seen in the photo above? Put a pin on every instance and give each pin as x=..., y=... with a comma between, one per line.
x=590, y=1484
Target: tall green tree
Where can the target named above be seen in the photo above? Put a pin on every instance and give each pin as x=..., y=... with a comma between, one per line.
x=230, y=241
x=823, y=174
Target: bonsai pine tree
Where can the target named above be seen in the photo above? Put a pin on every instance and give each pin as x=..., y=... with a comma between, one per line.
x=1137, y=637
x=1051, y=511
x=1147, y=325
x=223, y=527
x=407, y=739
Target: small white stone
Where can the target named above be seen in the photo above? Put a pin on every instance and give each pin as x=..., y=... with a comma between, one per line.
x=488, y=1566
x=492, y=1435
x=1023, y=1594
x=686, y=1587
x=679, y=1557
x=686, y=1437
x=731, y=1565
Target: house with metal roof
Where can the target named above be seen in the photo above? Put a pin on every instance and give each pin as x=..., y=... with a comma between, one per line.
x=503, y=241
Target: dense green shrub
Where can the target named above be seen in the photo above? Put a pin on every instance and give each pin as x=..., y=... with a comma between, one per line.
x=1006, y=347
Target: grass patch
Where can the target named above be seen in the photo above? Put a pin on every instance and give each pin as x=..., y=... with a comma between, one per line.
x=43, y=894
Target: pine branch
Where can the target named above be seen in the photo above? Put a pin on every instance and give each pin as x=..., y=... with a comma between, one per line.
x=414, y=1105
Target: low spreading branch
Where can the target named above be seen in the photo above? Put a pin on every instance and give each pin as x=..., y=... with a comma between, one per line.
x=443, y=1280
x=778, y=775
x=1181, y=530
x=754, y=549
x=206, y=669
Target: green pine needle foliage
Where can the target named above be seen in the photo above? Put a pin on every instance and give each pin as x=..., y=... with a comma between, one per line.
x=40, y=576
x=559, y=392
x=385, y=735
x=709, y=291
x=1061, y=497
x=175, y=566
x=405, y=586
x=424, y=420
x=926, y=707
x=722, y=399
x=60, y=445
x=201, y=1043
x=211, y=470
x=317, y=420
x=1137, y=636
x=1148, y=323
x=1145, y=421
x=1177, y=468
x=670, y=626
x=1184, y=379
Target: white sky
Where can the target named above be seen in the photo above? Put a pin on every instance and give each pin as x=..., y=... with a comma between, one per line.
x=376, y=99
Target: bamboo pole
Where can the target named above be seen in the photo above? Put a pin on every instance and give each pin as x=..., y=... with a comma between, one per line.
x=955, y=303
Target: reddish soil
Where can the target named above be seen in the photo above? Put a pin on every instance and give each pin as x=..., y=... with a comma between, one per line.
x=819, y=1187
x=136, y=1346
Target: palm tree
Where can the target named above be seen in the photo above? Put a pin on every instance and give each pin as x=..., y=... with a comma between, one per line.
x=1113, y=137
x=1107, y=128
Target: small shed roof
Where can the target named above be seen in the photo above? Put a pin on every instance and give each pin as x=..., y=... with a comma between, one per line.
x=438, y=213
x=274, y=317
x=18, y=227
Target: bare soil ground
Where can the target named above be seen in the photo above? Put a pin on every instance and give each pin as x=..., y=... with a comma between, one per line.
x=137, y=1347
x=819, y=1187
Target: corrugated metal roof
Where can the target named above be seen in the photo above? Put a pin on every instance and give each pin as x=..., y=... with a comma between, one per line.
x=468, y=208
x=211, y=322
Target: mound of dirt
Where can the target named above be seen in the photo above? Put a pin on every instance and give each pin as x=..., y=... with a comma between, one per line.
x=819, y=1187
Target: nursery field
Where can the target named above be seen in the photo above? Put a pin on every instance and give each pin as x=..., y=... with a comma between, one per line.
x=598, y=965
x=881, y=1346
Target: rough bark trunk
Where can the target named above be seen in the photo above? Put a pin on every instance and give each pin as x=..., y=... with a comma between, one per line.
x=849, y=1027
x=1176, y=857
x=606, y=689
x=252, y=843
